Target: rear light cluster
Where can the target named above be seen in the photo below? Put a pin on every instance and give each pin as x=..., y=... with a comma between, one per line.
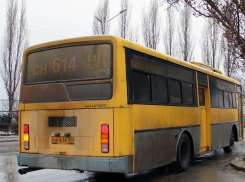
x=26, y=137
x=105, y=138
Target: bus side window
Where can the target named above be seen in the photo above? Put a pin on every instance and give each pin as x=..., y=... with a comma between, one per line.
x=201, y=97
x=221, y=98
x=187, y=93
x=159, y=89
x=175, y=91
x=234, y=100
x=226, y=99
x=141, y=85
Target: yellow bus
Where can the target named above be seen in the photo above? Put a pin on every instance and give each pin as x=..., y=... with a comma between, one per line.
x=102, y=103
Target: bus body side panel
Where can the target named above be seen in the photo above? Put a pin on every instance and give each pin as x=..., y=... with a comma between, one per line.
x=222, y=121
x=155, y=148
x=157, y=129
x=240, y=116
x=220, y=134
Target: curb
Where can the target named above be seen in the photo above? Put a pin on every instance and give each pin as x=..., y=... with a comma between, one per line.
x=238, y=164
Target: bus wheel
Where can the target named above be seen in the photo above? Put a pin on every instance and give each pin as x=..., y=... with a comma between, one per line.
x=183, y=157
x=229, y=148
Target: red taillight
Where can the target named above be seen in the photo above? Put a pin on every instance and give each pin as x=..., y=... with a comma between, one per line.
x=26, y=137
x=104, y=138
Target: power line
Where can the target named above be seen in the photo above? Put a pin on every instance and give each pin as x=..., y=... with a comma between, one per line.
x=64, y=33
x=50, y=25
x=44, y=33
x=40, y=35
x=56, y=27
x=49, y=30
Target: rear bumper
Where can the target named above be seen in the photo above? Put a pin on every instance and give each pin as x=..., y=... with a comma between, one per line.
x=101, y=164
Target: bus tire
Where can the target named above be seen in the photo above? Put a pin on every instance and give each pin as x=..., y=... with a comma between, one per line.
x=183, y=157
x=229, y=148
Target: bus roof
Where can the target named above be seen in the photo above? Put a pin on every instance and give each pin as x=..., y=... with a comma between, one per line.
x=117, y=41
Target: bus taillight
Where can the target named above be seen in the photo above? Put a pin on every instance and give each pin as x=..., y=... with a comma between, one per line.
x=26, y=137
x=104, y=138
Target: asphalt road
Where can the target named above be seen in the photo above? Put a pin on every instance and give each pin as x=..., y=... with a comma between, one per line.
x=214, y=166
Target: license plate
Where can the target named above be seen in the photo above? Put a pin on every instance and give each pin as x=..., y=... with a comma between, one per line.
x=62, y=140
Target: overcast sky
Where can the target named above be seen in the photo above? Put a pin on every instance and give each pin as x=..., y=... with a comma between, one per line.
x=58, y=19
x=50, y=20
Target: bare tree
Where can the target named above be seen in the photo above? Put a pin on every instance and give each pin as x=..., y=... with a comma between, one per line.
x=205, y=46
x=211, y=44
x=169, y=33
x=229, y=59
x=124, y=20
x=185, y=34
x=230, y=14
x=101, y=17
x=151, y=25
x=134, y=34
x=14, y=43
x=232, y=64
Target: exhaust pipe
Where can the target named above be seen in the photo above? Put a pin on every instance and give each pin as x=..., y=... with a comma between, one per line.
x=27, y=170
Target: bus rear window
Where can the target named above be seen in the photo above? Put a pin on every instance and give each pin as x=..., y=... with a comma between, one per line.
x=78, y=62
x=95, y=91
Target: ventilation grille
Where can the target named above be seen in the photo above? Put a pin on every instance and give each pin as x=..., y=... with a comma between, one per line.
x=70, y=121
x=202, y=79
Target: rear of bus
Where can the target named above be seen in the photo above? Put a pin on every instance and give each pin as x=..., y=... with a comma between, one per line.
x=73, y=94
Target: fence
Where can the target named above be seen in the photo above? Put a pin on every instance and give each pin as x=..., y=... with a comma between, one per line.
x=8, y=120
x=5, y=114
